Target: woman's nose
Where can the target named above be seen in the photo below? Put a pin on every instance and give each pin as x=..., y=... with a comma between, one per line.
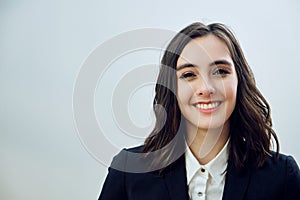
x=204, y=87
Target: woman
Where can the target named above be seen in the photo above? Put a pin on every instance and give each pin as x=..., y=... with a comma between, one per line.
x=213, y=130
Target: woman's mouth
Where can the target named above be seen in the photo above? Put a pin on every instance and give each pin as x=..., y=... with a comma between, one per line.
x=207, y=107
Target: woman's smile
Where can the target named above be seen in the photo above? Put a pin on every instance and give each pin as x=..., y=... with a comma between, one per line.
x=207, y=107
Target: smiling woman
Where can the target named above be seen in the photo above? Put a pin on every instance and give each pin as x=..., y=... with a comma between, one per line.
x=206, y=94
x=215, y=142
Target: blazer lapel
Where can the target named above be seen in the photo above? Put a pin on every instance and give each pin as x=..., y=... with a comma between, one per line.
x=236, y=184
x=175, y=179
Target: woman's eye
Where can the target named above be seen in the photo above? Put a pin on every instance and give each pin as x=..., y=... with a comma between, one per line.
x=221, y=72
x=187, y=75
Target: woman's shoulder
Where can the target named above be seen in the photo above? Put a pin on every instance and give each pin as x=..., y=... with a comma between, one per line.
x=135, y=149
x=281, y=159
x=280, y=167
x=280, y=174
x=123, y=153
x=135, y=160
x=131, y=160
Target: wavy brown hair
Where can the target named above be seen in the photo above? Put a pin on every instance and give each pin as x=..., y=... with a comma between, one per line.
x=251, y=130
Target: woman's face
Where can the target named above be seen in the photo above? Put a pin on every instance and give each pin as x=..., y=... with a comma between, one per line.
x=206, y=83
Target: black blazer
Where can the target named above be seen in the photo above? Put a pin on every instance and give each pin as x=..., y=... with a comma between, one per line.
x=277, y=179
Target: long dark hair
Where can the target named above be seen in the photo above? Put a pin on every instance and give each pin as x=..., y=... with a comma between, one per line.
x=251, y=130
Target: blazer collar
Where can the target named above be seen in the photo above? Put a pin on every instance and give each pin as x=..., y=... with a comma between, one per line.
x=236, y=184
x=235, y=188
x=175, y=179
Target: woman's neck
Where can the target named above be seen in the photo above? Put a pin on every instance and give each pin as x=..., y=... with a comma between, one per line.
x=206, y=144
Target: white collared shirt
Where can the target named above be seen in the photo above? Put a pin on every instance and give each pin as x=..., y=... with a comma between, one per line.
x=206, y=182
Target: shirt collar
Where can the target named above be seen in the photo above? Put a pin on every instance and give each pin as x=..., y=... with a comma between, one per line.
x=216, y=167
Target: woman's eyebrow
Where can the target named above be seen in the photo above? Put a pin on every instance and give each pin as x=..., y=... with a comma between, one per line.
x=220, y=62
x=217, y=62
x=185, y=65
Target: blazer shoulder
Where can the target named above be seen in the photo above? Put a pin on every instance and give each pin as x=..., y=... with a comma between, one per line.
x=131, y=160
x=136, y=149
x=282, y=160
x=283, y=169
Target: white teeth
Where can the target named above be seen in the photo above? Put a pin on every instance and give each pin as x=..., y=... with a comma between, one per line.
x=206, y=106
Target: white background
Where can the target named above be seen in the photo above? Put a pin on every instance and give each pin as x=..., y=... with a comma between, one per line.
x=44, y=43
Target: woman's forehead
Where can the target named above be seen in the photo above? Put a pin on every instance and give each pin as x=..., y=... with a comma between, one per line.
x=203, y=50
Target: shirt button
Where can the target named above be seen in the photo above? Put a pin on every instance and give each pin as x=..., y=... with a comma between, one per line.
x=202, y=170
x=199, y=194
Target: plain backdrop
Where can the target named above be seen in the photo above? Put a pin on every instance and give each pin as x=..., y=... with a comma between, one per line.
x=43, y=45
